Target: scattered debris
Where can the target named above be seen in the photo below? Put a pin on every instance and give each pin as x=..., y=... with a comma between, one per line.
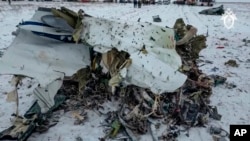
x=223, y=39
x=190, y=33
x=214, y=113
x=231, y=63
x=80, y=117
x=33, y=120
x=187, y=34
x=230, y=85
x=171, y=133
x=213, y=11
x=217, y=80
x=226, y=44
x=79, y=139
x=218, y=133
x=214, y=69
x=156, y=18
x=246, y=41
x=1, y=53
x=220, y=47
x=180, y=28
x=197, y=44
x=107, y=66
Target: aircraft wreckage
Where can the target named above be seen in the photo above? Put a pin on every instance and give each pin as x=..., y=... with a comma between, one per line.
x=56, y=44
x=43, y=51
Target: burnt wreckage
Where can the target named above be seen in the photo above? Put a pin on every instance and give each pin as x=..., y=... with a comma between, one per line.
x=110, y=60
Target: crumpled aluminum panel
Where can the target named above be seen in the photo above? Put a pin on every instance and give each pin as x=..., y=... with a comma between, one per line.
x=157, y=69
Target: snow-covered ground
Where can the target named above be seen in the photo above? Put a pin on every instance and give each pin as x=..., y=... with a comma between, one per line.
x=233, y=104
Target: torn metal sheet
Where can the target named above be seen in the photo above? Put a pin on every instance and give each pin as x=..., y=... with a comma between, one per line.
x=213, y=11
x=45, y=60
x=60, y=23
x=157, y=69
x=42, y=58
x=45, y=95
x=43, y=24
x=148, y=71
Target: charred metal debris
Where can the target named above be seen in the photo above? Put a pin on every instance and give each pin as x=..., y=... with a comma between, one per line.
x=139, y=110
x=178, y=111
